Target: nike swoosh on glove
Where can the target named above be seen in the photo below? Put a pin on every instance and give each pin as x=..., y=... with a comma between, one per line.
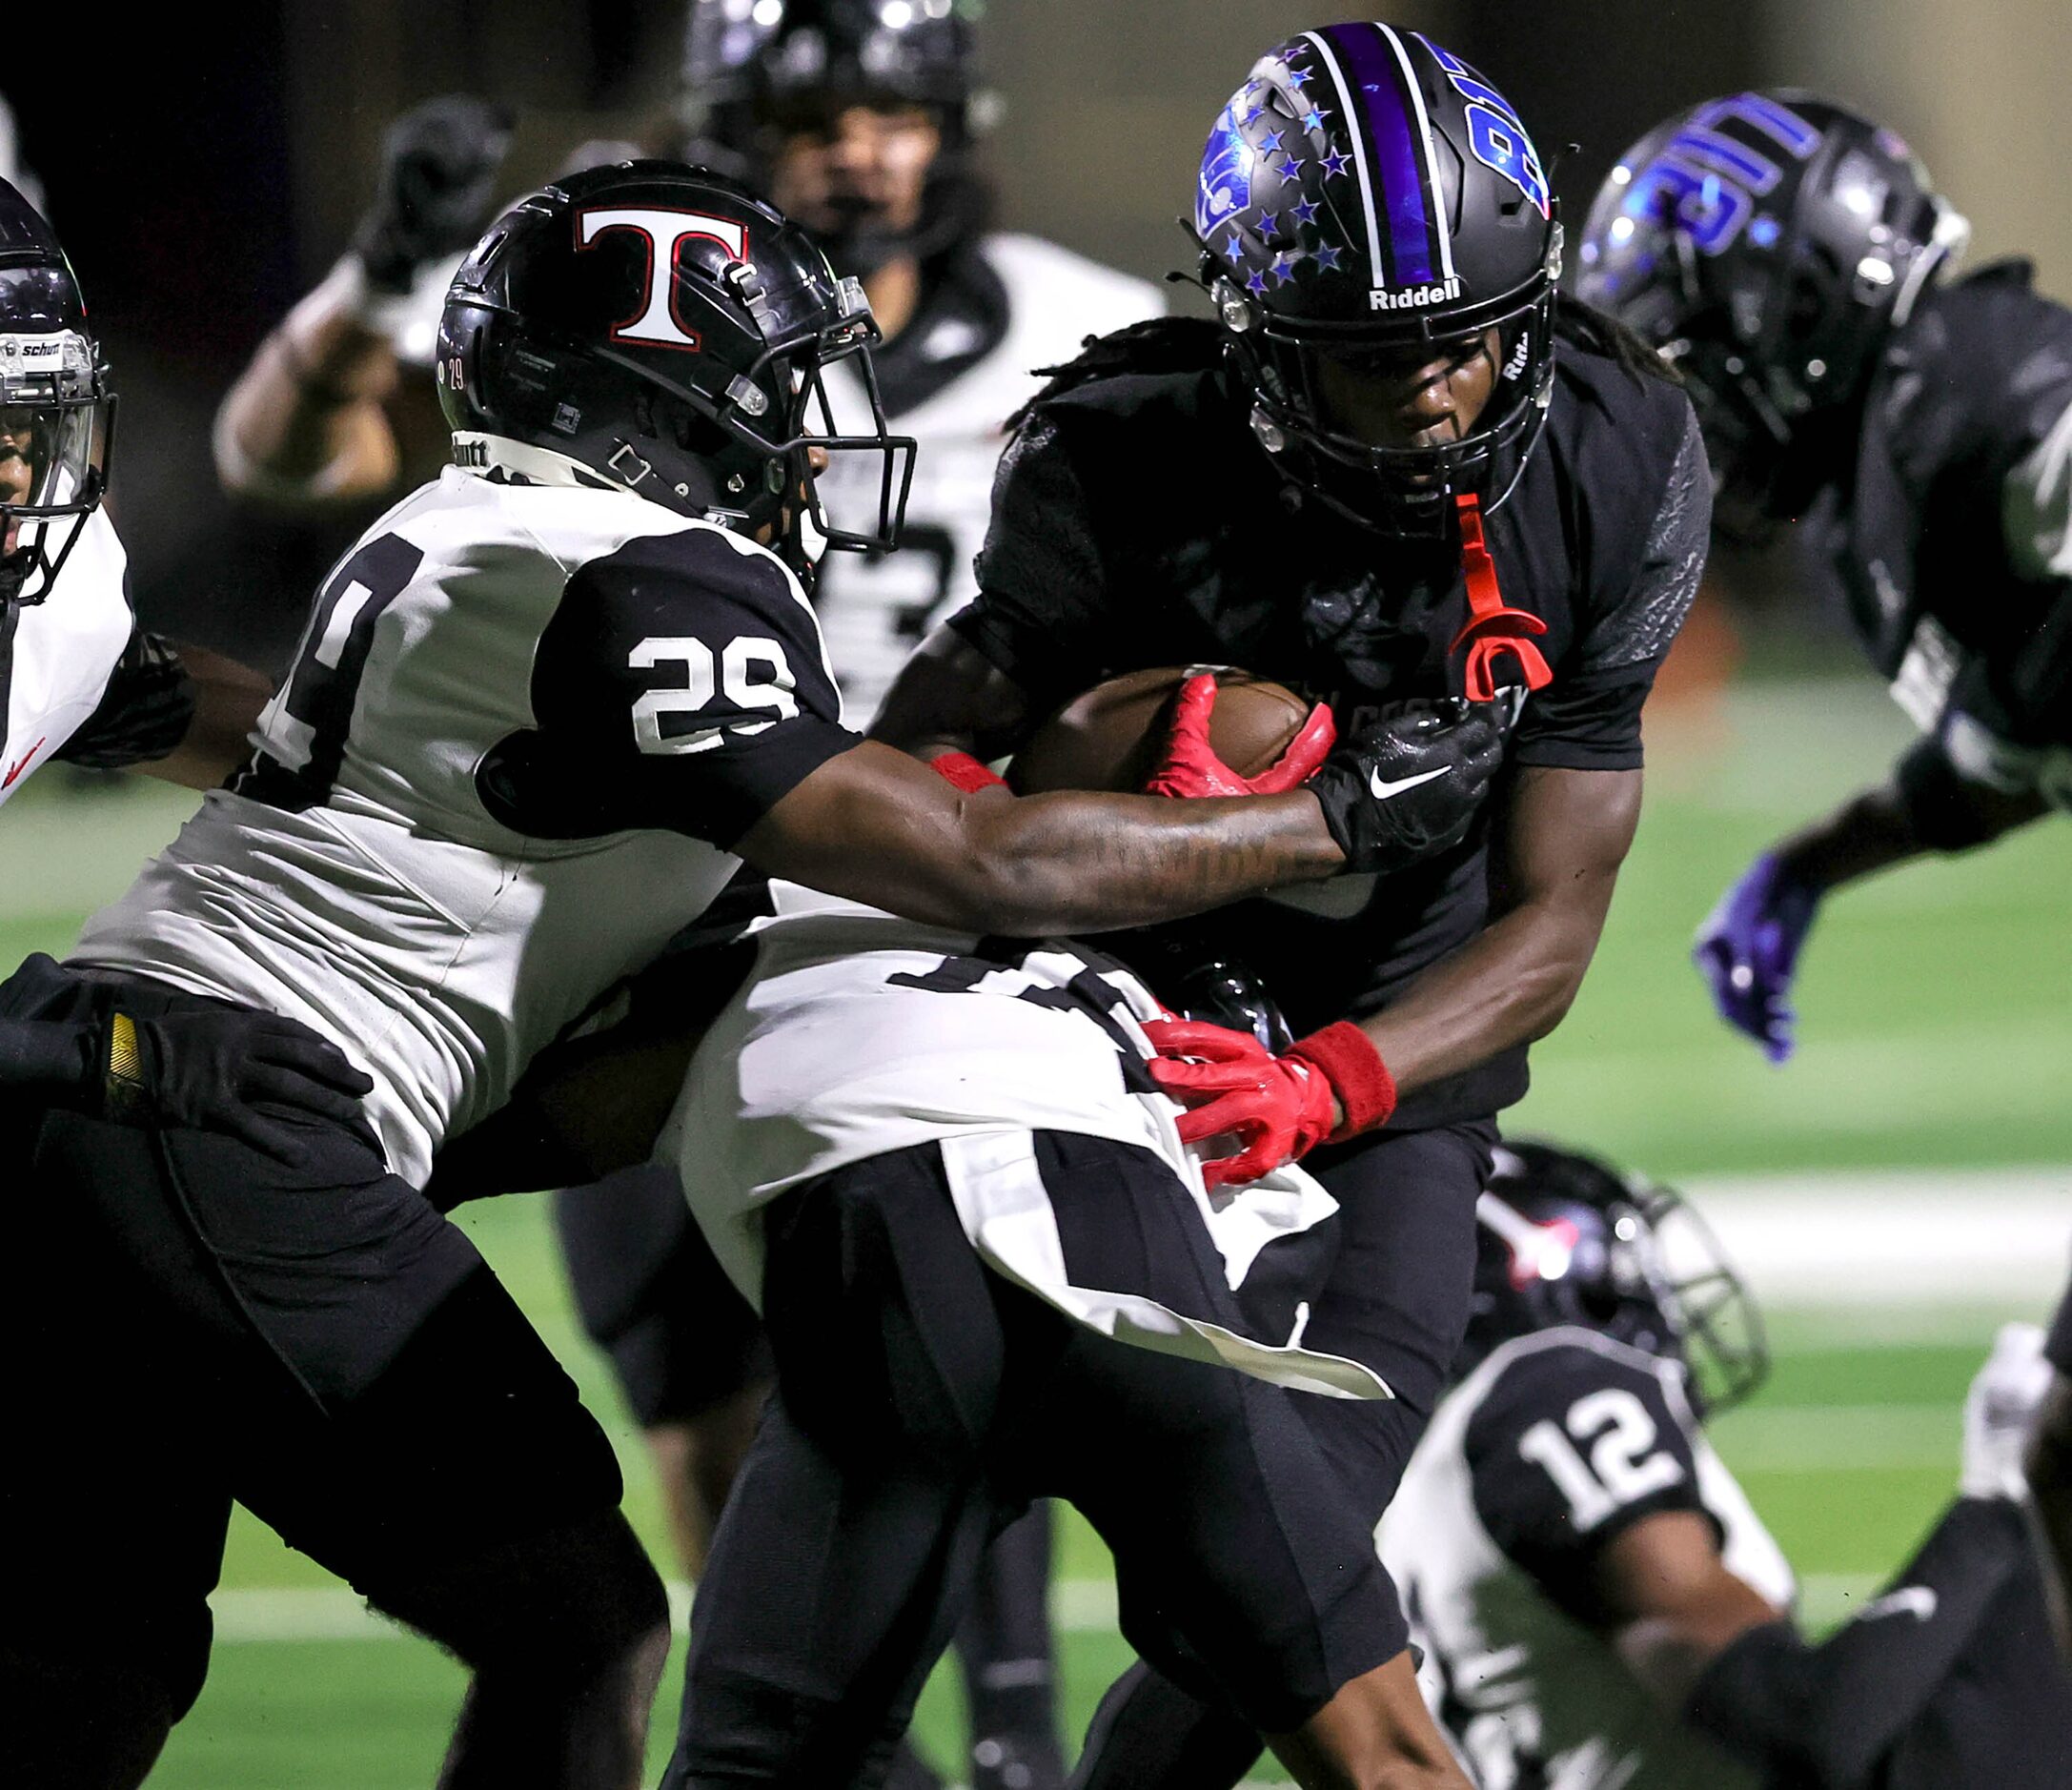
x=1411, y=782
x=1278, y=1107
x=1190, y=767
x=1748, y=950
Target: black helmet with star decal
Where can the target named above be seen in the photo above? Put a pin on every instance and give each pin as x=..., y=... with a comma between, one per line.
x=1367, y=193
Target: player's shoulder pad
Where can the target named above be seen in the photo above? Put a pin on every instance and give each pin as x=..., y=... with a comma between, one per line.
x=696, y=600
x=1574, y=1437
x=1986, y=358
x=1091, y=299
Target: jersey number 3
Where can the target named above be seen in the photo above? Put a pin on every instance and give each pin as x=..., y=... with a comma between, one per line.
x=1624, y=1466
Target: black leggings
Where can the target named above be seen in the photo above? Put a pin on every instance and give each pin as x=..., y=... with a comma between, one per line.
x=922, y=1401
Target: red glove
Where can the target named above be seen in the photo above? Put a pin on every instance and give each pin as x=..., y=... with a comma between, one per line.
x=1190, y=767
x=1280, y=1108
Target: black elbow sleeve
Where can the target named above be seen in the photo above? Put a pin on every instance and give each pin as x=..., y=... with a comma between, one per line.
x=1756, y=1699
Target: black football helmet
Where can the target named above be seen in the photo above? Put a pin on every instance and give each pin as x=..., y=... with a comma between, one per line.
x=754, y=70
x=1766, y=244
x=667, y=329
x=57, y=414
x=1564, y=1239
x=1366, y=192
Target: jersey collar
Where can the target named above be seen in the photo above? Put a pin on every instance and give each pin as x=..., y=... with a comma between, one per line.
x=521, y=462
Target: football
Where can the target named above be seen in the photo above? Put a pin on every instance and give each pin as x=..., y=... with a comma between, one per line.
x=1110, y=737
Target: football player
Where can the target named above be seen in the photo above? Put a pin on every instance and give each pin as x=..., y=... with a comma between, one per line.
x=539, y=713
x=858, y=121
x=1394, y=463
x=1597, y=1602
x=1789, y=256
x=939, y=1168
x=82, y=683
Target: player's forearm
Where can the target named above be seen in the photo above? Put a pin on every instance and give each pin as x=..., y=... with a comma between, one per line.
x=227, y=698
x=1067, y=864
x=305, y=420
x=1924, y=808
x=1826, y=1715
x=1511, y=984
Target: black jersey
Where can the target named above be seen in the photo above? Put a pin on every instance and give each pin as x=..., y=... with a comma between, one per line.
x=1136, y=522
x=1950, y=535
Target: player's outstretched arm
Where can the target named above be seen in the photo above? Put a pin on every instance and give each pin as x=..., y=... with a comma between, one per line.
x=227, y=698
x=1748, y=947
x=181, y=713
x=880, y=826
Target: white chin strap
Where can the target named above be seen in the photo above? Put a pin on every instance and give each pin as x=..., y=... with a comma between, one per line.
x=812, y=541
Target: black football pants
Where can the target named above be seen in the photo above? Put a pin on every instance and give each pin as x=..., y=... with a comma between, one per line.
x=191, y=1322
x=923, y=1401
x=1397, y=1297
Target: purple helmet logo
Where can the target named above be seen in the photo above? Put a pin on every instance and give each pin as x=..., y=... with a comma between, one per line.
x=1226, y=179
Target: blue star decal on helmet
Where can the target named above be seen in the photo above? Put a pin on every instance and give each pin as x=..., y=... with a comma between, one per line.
x=1232, y=247
x=1313, y=119
x=1300, y=78
x=1305, y=211
x=1291, y=168
x=1283, y=269
x=1256, y=283
x=1254, y=113
x=1270, y=143
x=1328, y=255
x=1269, y=226
x=1336, y=164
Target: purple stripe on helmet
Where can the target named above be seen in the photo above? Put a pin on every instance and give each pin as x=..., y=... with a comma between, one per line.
x=1397, y=154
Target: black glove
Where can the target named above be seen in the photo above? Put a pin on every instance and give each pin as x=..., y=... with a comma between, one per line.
x=213, y=1068
x=1410, y=784
x=440, y=163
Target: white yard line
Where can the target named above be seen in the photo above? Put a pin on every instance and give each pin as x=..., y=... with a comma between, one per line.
x=328, y=1613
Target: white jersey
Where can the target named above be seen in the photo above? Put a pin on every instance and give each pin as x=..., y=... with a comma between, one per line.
x=529, y=714
x=951, y=380
x=1547, y=1451
x=857, y=1033
x=57, y=657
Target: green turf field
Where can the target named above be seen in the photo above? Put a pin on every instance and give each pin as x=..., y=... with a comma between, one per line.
x=1936, y=1037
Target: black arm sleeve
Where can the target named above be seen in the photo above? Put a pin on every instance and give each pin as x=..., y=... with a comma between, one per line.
x=1574, y=1443
x=1042, y=576
x=142, y=716
x=1589, y=718
x=1828, y=1714
x=680, y=684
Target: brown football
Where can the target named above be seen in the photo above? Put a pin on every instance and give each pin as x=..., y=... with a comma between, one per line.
x=1111, y=737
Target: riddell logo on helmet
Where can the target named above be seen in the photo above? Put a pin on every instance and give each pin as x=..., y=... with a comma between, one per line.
x=1414, y=297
